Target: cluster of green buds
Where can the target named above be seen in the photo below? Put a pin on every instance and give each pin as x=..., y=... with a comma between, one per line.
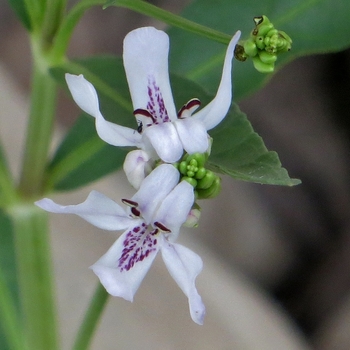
x=263, y=46
x=192, y=169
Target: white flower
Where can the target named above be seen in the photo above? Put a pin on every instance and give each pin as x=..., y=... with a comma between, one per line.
x=161, y=132
x=151, y=222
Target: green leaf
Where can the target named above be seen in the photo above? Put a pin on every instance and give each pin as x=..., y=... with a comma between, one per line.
x=240, y=152
x=237, y=150
x=83, y=157
x=20, y=9
x=315, y=26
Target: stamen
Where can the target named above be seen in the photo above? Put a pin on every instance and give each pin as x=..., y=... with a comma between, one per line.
x=189, y=107
x=161, y=227
x=135, y=212
x=130, y=203
x=144, y=113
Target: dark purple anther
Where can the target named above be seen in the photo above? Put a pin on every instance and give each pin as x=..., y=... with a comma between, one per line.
x=161, y=227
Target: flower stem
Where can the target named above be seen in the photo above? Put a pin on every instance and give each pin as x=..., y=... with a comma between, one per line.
x=9, y=317
x=150, y=10
x=34, y=270
x=93, y=313
x=39, y=132
x=7, y=188
x=68, y=24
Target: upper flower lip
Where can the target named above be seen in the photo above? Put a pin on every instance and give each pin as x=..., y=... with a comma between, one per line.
x=159, y=129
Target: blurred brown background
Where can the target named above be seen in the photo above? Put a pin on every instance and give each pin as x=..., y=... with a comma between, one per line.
x=286, y=248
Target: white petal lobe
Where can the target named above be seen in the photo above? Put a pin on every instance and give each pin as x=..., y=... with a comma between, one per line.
x=145, y=58
x=166, y=142
x=118, y=280
x=193, y=135
x=184, y=266
x=97, y=209
x=212, y=114
x=154, y=188
x=83, y=93
x=175, y=208
x=136, y=167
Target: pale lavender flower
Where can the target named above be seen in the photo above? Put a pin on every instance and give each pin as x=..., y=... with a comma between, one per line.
x=162, y=132
x=151, y=222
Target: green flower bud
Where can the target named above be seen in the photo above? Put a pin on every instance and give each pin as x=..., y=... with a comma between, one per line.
x=271, y=32
x=250, y=48
x=183, y=167
x=200, y=173
x=190, y=180
x=200, y=158
x=212, y=191
x=260, y=42
x=263, y=67
x=267, y=57
x=207, y=180
x=263, y=29
x=193, y=217
x=264, y=44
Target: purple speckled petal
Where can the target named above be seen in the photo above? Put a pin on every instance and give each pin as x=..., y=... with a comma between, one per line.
x=184, y=266
x=154, y=188
x=122, y=269
x=193, y=135
x=175, y=208
x=212, y=114
x=85, y=96
x=97, y=209
x=146, y=65
x=165, y=140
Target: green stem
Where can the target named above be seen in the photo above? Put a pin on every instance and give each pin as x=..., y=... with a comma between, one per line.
x=35, y=10
x=34, y=270
x=65, y=31
x=147, y=9
x=93, y=313
x=52, y=18
x=39, y=132
x=7, y=187
x=9, y=317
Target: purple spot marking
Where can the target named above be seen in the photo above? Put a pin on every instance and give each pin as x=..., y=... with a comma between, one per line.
x=156, y=105
x=138, y=244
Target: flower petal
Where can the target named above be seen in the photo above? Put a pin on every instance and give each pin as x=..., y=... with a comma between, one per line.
x=174, y=209
x=136, y=167
x=193, y=135
x=122, y=269
x=165, y=140
x=146, y=65
x=154, y=188
x=117, y=135
x=85, y=96
x=97, y=209
x=83, y=93
x=212, y=114
x=184, y=266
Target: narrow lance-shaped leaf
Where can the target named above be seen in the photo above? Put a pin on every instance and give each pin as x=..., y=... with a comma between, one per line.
x=21, y=12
